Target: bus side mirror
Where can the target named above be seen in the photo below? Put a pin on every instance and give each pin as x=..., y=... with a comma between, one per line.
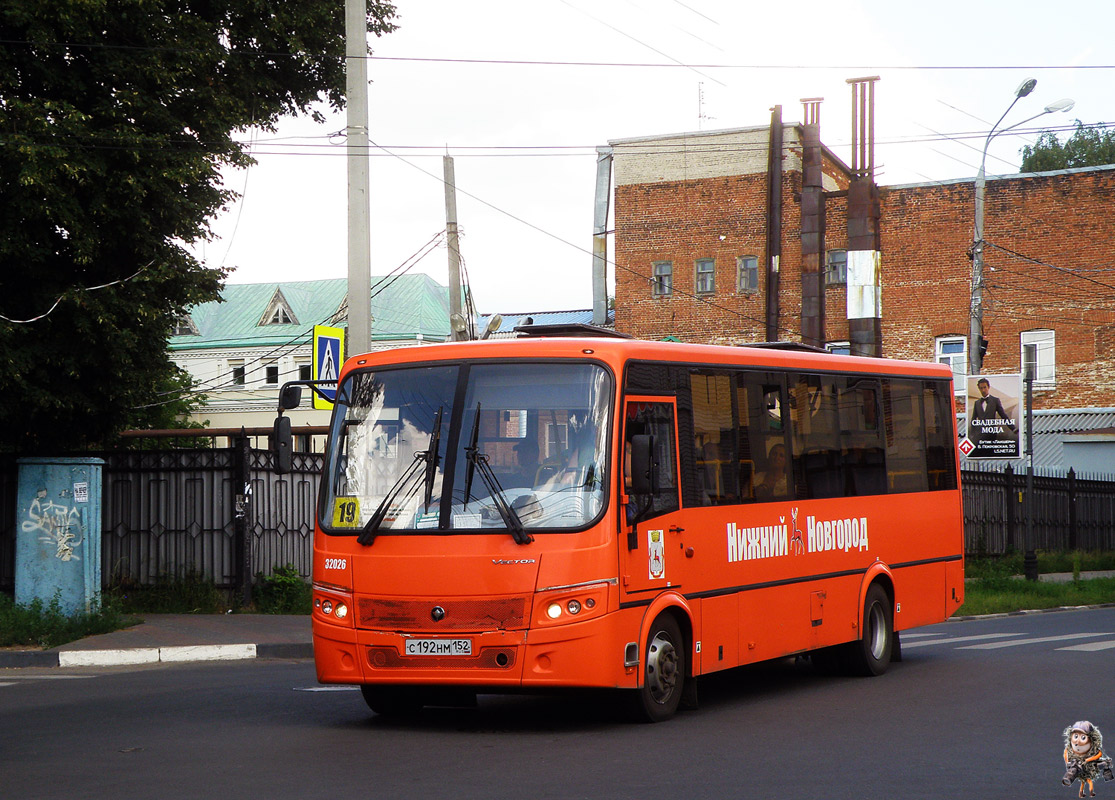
x=281, y=442
x=642, y=464
x=290, y=397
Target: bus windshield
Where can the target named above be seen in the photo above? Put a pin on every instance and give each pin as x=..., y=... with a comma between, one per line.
x=468, y=447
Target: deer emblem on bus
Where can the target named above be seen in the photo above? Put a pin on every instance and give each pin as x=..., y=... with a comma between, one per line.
x=797, y=544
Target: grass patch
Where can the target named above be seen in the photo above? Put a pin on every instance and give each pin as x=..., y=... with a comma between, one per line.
x=190, y=593
x=1012, y=594
x=994, y=588
x=39, y=624
x=282, y=592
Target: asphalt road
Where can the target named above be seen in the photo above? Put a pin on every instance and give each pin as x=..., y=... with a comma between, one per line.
x=976, y=709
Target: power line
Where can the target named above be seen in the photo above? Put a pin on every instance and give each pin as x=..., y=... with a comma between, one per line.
x=75, y=290
x=1016, y=254
x=254, y=365
x=302, y=54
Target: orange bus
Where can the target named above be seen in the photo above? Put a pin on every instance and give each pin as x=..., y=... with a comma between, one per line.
x=592, y=511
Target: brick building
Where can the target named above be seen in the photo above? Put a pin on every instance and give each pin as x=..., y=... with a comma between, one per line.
x=693, y=259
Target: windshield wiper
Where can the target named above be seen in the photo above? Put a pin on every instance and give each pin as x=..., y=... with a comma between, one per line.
x=429, y=457
x=477, y=460
x=432, y=459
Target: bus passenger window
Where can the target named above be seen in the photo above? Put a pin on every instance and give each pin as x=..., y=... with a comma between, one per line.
x=814, y=412
x=714, y=441
x=940, y=445
x=861, y=440
x=764, y=466
x=903, y=421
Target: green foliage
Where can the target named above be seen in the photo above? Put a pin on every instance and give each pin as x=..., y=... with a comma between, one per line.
x=1089, y=146
x=44, y=625
x=1003, y=595
x=116, y=118
x=190, y=593
x=282, y=592
x=994, y=584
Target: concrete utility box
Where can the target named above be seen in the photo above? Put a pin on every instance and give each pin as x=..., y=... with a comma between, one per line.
x=58, y=531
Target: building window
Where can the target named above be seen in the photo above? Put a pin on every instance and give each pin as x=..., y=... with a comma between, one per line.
x=839, y=348
x=305, y=371
x=747, y=274
x=557, y=440
x=1039, y=349
x=663, y=278
x=280, y=317
x=236, y=368
x=271, y=373
x=184, y=326
x=706, y=276
x=278, y=311
x=953, y=350
x=836, y=267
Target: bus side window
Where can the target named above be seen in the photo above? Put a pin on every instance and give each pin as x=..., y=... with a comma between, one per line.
x=861, y=439
x=816, y=428
x=903, y=420
x=764, y=466
x=714, y=441
x=940, y=444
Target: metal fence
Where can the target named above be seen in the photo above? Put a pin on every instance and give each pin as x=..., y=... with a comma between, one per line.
x=174, y=512
x=1069, y=512
x=170, y=512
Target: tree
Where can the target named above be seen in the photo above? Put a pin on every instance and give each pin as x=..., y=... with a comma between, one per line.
x=115, y=119
x=1089, y=146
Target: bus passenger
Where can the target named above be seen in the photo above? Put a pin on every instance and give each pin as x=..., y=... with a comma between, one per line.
x=526, y=454
x=771, y=484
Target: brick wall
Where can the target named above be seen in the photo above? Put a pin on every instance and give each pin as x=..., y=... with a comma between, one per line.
x=670, y=208
x=1040, y=228
x=1049, y=238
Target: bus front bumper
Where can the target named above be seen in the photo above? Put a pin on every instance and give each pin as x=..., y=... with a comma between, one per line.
x=584, y=654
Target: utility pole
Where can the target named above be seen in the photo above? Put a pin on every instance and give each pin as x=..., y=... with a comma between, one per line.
x=457, y=323
x=359, y=213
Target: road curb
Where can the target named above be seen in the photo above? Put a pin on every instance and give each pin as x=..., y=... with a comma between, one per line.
x=18, y=659
x=1027, y=612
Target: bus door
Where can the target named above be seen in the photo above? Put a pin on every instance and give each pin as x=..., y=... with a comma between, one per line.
x=649, y=549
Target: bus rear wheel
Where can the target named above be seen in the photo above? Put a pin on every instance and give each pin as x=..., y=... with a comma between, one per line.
x=663, y=672
x=871, y=655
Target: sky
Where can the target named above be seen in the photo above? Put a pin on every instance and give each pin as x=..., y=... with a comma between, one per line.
x=466, y=79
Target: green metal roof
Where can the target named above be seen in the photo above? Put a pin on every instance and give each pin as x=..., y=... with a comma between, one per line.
x=401, y=307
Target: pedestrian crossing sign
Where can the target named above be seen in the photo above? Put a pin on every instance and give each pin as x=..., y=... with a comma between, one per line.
x=329, y=354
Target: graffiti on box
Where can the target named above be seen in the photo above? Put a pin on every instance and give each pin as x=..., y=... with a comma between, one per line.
x=58, y=524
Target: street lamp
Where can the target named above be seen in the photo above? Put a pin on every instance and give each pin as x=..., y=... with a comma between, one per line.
x=975, y=354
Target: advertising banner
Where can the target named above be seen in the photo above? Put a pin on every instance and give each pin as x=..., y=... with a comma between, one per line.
x=994, y=410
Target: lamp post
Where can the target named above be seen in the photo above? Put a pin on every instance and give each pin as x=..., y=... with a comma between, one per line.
x=975, y=356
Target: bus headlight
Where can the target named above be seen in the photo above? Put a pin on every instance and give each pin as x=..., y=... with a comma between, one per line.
x=332, y=604
x=567, y=604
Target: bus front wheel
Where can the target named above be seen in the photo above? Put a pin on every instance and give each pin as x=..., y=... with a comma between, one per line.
x=663, y=671
x=871, y=655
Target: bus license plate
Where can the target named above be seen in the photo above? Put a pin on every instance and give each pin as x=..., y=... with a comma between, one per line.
x=439, y=647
